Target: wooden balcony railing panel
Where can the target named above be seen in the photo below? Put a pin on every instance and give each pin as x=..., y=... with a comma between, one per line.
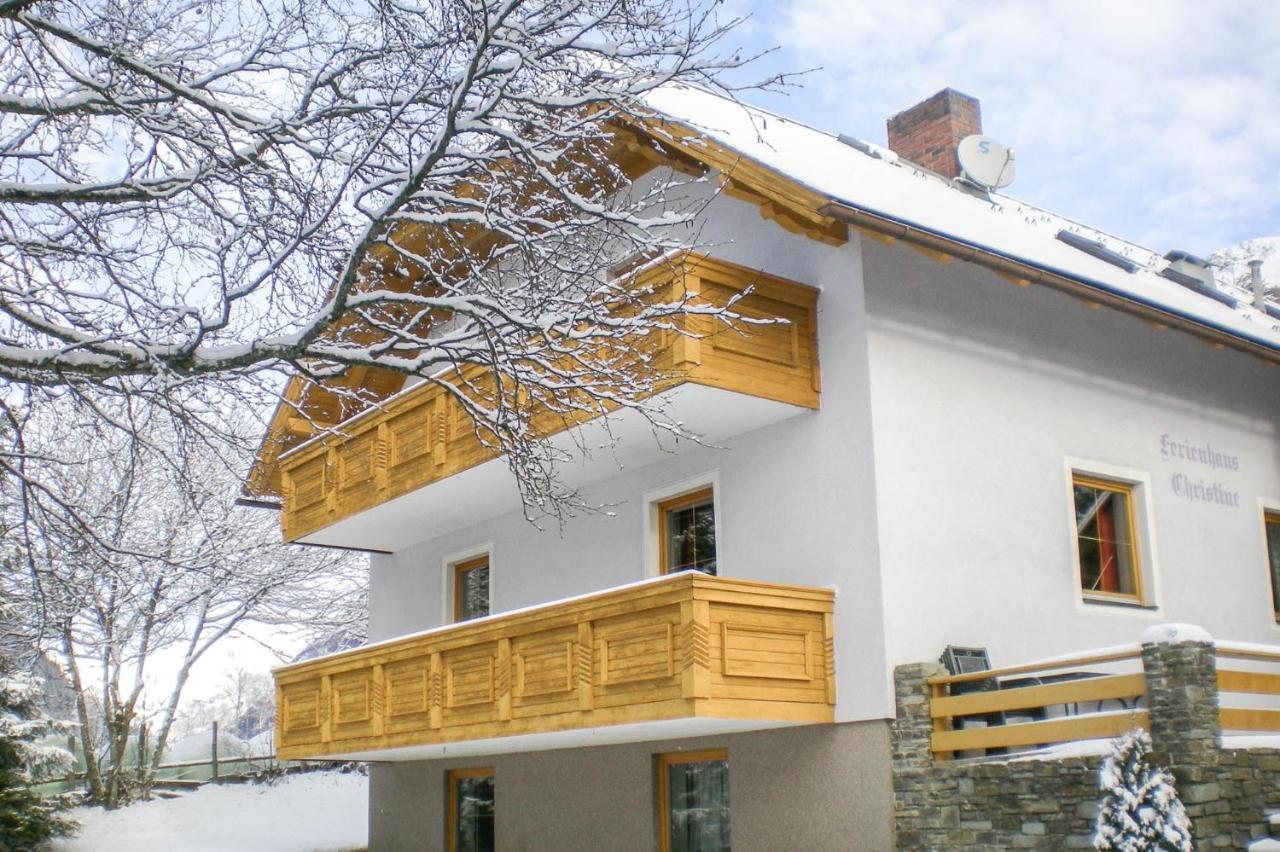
x=685, y=646
x=424, y=435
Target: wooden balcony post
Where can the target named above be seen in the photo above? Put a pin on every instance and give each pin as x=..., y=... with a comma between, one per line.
x=288, y=498
x=377, y=702
x=326, y=708
x=686, y=352
x=586, y=666
x=695, y=648
x=281, y=711
x=439, y=433
x=331, y=476
x=502, y=676
x=436, y=696
x=829, y=655
x=382, y=460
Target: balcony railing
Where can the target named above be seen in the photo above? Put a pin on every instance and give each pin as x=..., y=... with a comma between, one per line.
x=424, y=435
x=687, y=646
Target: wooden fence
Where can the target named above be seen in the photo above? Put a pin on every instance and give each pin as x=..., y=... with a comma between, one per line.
x=1087, y=696
x=1248, y=687
x=1093, y=695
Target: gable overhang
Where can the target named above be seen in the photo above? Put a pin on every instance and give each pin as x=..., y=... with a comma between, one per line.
x=790, y=201
x=298, y=417
x=652, y=140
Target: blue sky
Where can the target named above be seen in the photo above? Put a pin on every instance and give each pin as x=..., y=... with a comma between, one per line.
x=1157, y=121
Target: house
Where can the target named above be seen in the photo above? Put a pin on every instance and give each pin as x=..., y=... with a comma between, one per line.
x=983, y=425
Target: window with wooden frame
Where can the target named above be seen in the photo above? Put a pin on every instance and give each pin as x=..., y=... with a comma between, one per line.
x=471, y=588
x=693, y=801
x=1107, y=539
x=687, y=533
x=471, y=805
x=1271, y=529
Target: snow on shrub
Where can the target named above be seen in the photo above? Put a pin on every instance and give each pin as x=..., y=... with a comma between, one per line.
x=1140, y=810
x=27, y=819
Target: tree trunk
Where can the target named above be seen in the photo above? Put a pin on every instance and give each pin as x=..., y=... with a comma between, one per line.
x=92, y=771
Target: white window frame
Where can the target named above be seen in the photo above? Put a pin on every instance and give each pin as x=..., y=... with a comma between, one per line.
x=1149, y=604
x=447, y=563
x=652, y=547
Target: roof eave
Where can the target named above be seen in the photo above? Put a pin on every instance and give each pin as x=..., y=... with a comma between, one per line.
x=1030, y=271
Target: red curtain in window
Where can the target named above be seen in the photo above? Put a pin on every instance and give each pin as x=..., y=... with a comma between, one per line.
x=1109, y=578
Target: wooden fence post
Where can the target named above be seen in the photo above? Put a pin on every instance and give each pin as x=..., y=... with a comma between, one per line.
x=214, y=753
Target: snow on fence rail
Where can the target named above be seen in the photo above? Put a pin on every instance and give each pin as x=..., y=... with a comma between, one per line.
x=1085, y=696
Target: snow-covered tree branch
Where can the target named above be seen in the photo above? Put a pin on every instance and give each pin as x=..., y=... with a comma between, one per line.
x=196, y=192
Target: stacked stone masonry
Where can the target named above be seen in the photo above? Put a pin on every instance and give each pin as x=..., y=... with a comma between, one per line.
x=1051, y=804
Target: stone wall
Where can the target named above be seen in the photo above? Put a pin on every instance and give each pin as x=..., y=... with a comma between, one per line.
x=1051, y=804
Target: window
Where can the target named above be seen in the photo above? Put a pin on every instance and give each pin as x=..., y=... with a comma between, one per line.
x=470, y=823
x=1106, y=539
x=687, y=533
x=693, y=796
x=471, y=589
x=1271, y=521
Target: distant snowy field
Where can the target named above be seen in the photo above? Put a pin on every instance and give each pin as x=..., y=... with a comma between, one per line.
x=317, y=812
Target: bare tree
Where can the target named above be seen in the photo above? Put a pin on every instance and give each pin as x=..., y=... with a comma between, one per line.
x=199, y=190
x=174, y=567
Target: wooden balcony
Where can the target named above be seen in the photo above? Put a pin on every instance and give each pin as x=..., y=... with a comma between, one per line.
x=423, y=435
x=704, y=654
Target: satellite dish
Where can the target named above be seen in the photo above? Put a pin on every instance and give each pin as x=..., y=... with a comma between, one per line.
x=985, y=162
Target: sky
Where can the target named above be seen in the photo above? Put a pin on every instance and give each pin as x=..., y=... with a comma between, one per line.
x=1155, y=121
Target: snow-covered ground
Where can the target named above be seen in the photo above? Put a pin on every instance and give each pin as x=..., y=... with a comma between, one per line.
x=316, y=812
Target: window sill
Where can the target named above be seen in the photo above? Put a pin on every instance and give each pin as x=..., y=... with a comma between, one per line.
x=1123, y=603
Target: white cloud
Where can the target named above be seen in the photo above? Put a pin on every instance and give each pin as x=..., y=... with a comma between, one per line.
x=1157, y=120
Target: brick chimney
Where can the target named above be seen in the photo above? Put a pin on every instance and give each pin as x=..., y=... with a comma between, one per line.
x=927, y=134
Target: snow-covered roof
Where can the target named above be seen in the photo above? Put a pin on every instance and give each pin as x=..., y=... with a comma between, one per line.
x=874, y=180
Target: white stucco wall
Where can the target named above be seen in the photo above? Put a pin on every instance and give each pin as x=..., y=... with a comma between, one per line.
x=932, y=488
x=982, y=395
x=795, y=501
